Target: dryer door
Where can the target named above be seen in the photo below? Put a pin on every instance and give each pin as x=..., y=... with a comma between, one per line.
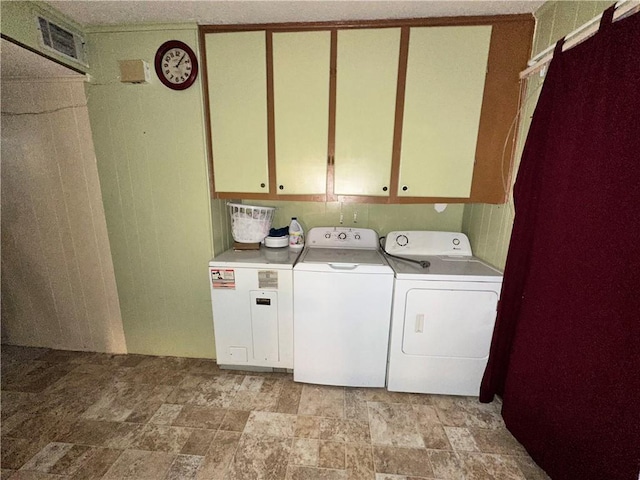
x=449, y=323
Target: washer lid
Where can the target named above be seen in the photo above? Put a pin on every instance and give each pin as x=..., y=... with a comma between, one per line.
x=339, y=255
x=343, y=260
x=446, y=268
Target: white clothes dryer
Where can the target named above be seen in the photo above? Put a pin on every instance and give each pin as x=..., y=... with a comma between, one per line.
x=443, y=315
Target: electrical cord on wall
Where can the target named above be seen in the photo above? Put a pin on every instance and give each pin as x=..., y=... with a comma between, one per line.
x=422, y=263
x=522, y=104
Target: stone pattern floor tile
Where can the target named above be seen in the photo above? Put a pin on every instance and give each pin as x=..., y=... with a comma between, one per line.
x=305, y=452
x=198, y=442
x=184, y=467
x=331, y=455
x=94, y=416
x=234, y=420
x=271, y=424
x=260, y=457
x=394, y=424
x=140, y=465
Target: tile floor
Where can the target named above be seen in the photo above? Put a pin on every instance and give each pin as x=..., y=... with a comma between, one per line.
x=78, y=415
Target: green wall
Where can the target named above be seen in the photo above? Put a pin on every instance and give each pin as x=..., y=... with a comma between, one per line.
x=150, y=148
x=382, y=218
x=19, y=23
x=489, y=226
x=163, y=228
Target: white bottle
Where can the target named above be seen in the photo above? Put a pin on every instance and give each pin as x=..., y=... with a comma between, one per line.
x=296, y=235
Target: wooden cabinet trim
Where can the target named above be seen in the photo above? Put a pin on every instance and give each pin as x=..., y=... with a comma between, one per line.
x=331, y=141
x=353, y=24
x=398, y=200
x=397, y=131
x=509, y=50
x=207, y=110
x=269, y=196
x=271, y=137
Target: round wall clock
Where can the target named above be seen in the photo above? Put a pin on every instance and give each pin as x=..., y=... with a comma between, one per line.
x=176, y=65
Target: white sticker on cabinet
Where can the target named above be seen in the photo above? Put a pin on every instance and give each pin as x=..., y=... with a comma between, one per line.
x=268, y=279
x=223, y=278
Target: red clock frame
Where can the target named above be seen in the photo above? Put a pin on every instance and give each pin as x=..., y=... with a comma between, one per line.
x=162, y=50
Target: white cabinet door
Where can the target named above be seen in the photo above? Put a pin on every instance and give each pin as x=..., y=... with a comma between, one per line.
x=446, y=72
x=264, y=325
x=367, y=77
x=301, y=107
x=237, y=85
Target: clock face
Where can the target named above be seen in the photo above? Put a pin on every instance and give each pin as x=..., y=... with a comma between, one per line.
x=176, y=65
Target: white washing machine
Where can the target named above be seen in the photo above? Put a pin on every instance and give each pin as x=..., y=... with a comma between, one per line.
x=342, y=309
x=443, y=315
x=252, y=303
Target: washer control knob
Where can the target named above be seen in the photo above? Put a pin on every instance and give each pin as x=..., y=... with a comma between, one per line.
x=342, y=236
x=456, y=241
x=357, y=236
x=327, y=235
x=402, y=240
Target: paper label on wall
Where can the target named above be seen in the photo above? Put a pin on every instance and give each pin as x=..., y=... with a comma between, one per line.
x=268, y=279
x=223, y=278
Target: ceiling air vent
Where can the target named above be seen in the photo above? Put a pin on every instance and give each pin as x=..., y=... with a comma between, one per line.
x=62, y=40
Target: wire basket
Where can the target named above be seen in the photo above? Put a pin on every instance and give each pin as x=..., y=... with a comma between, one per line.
x=249, y=223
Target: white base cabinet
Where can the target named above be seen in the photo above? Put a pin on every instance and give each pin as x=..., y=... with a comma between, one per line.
x=252, y=313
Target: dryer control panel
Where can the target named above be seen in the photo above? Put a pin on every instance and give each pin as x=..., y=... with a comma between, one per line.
x=425, y=243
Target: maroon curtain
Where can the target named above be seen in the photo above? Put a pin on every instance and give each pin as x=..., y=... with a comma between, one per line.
x=565, y=354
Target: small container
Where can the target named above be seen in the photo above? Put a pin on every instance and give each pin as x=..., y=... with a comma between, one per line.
x=276, y=242
x=296, y=234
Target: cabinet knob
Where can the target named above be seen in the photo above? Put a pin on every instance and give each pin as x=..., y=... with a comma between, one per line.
x=405, y=188
x=384, y=189
x=262, y=185
x=281, y=187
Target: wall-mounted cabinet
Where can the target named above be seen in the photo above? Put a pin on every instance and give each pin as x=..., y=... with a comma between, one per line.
x=268, y=97
x=446, y=70
x=301, y=63
x=237, y=84
x=367, y=78
x=409, y=111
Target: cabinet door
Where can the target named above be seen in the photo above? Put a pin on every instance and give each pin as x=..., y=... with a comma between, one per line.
x=264, y=326
x=367, y=76
x=237, y=85
x=446, y=72
x=301, y=107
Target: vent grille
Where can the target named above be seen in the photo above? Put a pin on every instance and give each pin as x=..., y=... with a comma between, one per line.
x=61, y=40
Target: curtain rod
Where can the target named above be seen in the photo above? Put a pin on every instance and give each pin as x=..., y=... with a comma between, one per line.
x=538, y=62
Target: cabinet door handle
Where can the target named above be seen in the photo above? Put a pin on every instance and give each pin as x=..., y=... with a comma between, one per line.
x=281, y=187
x=384, y=189
x=405, y=188
x=262, y=185
x=420, y=323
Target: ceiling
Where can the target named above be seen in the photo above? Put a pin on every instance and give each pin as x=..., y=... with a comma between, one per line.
x=107, y=12
x=17, y=62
